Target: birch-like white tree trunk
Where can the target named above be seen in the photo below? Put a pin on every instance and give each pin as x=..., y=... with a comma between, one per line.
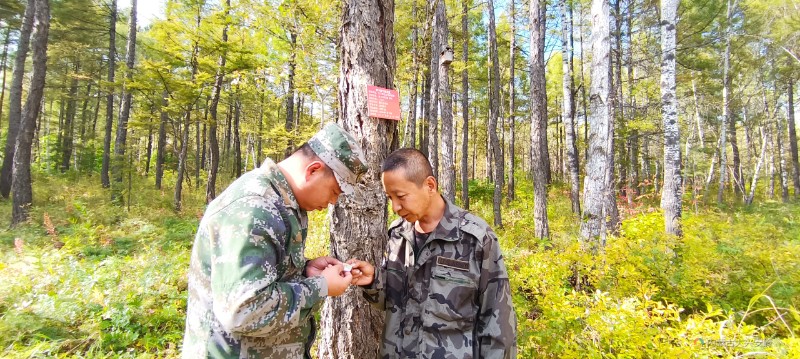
x=595, y=184
x=673, y=182
x=568, y=107
x=433, y=105
x=723, y=160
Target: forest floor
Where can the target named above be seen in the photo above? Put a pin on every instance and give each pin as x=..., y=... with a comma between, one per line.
x=86, y=278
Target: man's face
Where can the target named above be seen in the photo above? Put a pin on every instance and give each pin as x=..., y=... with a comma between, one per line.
x=409, y=200
x=320, y=188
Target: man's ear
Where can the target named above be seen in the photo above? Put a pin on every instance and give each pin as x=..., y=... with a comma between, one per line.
x=312, y=168
x=430, y=184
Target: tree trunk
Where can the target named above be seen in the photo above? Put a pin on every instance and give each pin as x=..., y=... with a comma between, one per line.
x=178, y=199
x=793, y=141
x=289, y=125
x=738, y=184
x=15, y=98
x=122, y=122
x=437, y=44
x=6, y=41
x=723, y=160
x=112, y=60
x=764, y=139
x=568, y=108
x=66, y=139
x=149, y=149
x=512, y=108
x=237, y=143
x=584, y=99
x=538, y=121
x=545, y=152
x=596, y=182
x=21, y=172
x=494, y=109
x=673, y=183
x=448, y=170
x=213, y=143
x=426, y=99
x=465, y=104
x=350, y=327
x=410, y=135
x=161, y=144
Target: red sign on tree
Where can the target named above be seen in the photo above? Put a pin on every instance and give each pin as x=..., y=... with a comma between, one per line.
x=383, y=103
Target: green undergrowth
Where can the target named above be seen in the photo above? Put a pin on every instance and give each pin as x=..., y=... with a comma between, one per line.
x=85, y=278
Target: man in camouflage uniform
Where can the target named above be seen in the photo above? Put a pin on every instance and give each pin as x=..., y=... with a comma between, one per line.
x=252, y=293
x=443, y=283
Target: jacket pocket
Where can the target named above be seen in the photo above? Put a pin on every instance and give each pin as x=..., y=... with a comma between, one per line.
x=451, y=296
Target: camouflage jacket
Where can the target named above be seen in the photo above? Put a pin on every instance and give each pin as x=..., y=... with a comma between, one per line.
x=248, y=297
x=453, y=301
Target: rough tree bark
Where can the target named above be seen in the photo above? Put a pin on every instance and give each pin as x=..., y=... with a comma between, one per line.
x=465, y=105
x=122, y=122
x=21, y=188
x=512, y=101
x=494, y=114
x=793, y=141
x=673, y=182
x=437, y=45
x=448, y=170
x=351, y=329
x=112, y=61
x=538, y=121
x=15, y=97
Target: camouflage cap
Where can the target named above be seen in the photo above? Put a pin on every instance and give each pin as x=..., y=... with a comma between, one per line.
x=340, y=151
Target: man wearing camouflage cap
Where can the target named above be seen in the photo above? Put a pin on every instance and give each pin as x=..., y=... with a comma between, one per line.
x=443, y=284
x=252, y=293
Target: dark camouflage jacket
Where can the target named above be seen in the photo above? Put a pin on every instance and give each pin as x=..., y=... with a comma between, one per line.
x=453, y=301
x=247, y=294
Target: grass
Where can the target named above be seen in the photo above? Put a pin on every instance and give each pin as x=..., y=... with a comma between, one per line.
x=85, y=278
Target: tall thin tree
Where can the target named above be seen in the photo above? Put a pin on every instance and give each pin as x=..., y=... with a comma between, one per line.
x=112, y=61
x=213, y=142
x=596, y=184
x=21, y=172
x=568, y=107
x=793, y=140
x=673, y=182
x=15, y=97
x=494, y=114
x=124, y=114
x=448, y=170
x=538, y=128
x=512, y=106
x=465, y=104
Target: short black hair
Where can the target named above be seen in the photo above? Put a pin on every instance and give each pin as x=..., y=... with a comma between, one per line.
x=414, y=164
x=306, y=150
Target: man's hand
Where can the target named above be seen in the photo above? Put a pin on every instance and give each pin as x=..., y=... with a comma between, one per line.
x=363, y=272
x=315, y=266
x=338, y=280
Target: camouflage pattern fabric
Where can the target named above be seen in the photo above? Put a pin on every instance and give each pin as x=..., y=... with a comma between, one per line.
x=453, y=301
x=248, y=297
x=339, y=151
